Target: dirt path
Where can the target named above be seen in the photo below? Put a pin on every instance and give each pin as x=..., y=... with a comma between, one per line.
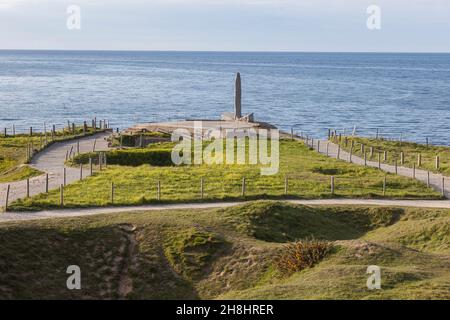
x=65, y=213
x=51, y=161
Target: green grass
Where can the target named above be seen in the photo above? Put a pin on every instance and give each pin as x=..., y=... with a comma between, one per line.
x=228, y=253
x=308, y=177
x=18, y=173
x=13, y=156
x=13, y=152
x=394, y=148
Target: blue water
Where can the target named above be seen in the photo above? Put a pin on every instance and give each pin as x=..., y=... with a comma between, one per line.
x=406, y=94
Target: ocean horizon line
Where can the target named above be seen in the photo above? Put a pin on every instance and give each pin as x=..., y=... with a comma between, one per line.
x=227, y=51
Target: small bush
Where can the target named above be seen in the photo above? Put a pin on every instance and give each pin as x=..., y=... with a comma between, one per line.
x=300, y=255
x=130, y=157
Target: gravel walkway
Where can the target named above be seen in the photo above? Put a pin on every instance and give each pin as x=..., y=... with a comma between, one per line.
x=51, y=161
x=65, y=213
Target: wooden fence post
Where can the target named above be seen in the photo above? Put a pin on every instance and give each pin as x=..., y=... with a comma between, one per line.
x=443, y=186
x=64, y=177
x=414, y=170
x=419, y=160
x=428, y=179
x=396, y=167
x=379, y=160
x=385, y=156
x=158, y=190
x=100, y=161
x=46, y=183
x=371, y=152
x=31, y=131
x=90, y=166
x=402, y=158
x=201, y=188
x=93, y=147
x=286, y=185
x=437, y=163
x=81, y=172
x=350, y=156
x=292, y=133
x=318, y=145
x=78, y=147
x=61, y=195
x=338, y=152
x=112, y=192
x=243, y=187
x=365, y=158
x=7, y=197
x=28, y=188
x=328, y=145
x=332, y=185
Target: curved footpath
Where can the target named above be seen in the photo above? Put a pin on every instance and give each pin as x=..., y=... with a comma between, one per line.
x=64, y=213
x=51, y=160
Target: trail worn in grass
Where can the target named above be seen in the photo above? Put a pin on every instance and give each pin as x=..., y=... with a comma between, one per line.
x=394, y=148
x=308, y=176
x=14, y=149
x=228, y=253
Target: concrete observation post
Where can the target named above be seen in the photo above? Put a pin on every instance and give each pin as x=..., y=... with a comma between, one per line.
x=238, y=98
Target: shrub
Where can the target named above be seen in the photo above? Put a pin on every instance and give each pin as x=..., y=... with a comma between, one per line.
x=300, y=255
x=130, y=157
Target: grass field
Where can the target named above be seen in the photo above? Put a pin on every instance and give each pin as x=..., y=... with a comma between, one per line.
x=13, y=152
x=229, y=253
x=307, y=171
x=394, y=148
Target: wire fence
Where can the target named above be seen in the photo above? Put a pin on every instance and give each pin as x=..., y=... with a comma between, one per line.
x=164, y=190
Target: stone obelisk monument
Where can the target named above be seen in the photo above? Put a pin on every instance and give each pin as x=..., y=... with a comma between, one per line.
x=237, y=98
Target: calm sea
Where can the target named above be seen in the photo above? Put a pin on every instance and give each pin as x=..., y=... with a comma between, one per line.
x=406, y=94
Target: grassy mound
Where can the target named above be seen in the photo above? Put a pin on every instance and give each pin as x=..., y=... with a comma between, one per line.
x=282, y=222
x=229, y=253
x=191, y=250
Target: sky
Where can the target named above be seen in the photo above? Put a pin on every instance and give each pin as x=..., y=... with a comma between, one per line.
x=227, y=25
